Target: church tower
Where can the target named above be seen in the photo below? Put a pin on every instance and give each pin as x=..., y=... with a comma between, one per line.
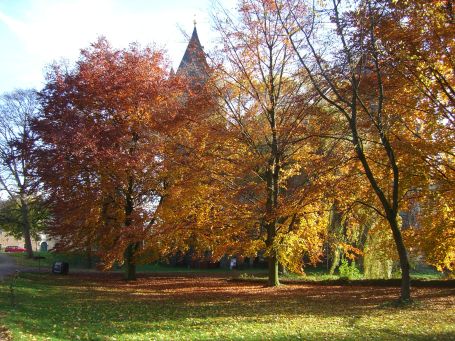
x=194, y=63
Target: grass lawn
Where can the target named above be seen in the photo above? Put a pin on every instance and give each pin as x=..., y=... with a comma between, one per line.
x=174, y=307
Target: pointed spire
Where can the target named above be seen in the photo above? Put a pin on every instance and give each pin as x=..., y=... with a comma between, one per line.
x=194, y=63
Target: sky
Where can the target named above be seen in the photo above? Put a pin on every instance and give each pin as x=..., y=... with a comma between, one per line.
x=35, y=33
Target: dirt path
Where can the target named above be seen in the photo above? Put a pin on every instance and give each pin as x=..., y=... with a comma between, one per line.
x=7, y=266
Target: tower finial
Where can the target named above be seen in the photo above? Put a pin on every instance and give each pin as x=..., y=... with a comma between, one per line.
x=194, y=20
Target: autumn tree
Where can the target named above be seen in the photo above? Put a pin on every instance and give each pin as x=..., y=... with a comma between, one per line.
x=101, y=158
x=340, y=50
x=420, y=42
x=268, y=116
x=17, y=141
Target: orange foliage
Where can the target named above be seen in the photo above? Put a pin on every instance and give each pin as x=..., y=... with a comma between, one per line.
x=102, y=161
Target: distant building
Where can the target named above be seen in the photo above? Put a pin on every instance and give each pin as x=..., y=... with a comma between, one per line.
x=7, y=240
x=194, y=65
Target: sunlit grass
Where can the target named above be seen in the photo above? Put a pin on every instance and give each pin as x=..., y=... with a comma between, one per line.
x=95, y=307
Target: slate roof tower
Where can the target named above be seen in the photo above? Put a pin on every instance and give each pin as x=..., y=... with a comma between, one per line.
x=194, y=63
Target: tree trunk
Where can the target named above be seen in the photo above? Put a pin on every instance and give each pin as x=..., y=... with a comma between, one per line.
x=335, y=260
x=361, y=243
x=130, y=266
x=338, y=232
x=26, y=227
x=405, y=294
x=273, y=280
x=390, y=208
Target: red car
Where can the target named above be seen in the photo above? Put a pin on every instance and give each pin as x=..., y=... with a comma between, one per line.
x=14, y=249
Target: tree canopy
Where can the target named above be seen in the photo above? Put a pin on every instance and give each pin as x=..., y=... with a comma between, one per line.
x=316, y=123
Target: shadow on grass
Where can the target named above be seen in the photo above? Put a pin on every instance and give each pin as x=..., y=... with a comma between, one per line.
x=96, y=306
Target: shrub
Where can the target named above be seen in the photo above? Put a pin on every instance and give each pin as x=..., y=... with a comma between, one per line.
x=348, y=271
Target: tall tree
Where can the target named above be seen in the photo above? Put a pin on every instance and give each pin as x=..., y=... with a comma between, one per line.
x=340, y=50
x=269, y=115
x=17, y=141
x=101, y=158
x=420, y=40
